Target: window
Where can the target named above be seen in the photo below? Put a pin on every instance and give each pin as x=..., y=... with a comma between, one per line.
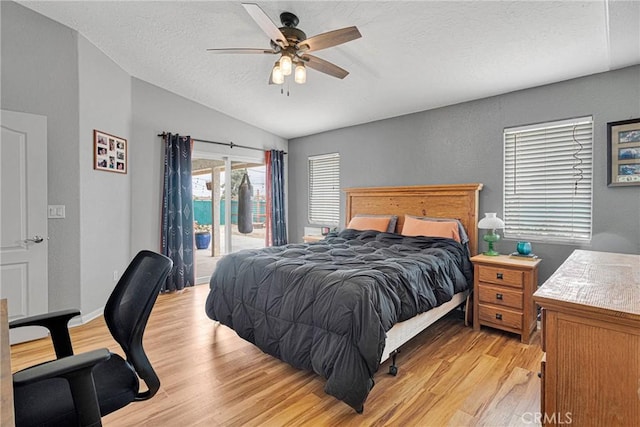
x=324, y=189
x=547, y=181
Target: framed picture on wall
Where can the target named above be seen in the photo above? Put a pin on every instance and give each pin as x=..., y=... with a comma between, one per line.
x=623, y=153
x=109, y=152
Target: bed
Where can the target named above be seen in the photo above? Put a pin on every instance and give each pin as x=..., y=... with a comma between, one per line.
x=342, y=306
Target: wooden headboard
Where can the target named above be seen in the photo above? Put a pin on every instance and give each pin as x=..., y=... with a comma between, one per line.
x=459, y=201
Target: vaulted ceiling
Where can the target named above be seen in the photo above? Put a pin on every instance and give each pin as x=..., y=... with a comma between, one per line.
x=413, y=55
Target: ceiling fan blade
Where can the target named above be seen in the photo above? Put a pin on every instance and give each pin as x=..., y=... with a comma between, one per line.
x=264, y=22
x=329, y=39
x=241, y=50
x=324, y=66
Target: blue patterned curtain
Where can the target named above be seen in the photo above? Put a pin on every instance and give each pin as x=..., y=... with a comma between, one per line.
x=276, y=215
x=177, y=212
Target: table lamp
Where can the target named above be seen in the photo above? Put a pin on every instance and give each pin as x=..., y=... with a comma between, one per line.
x=491, y=222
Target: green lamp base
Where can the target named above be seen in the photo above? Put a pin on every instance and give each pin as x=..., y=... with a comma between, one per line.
x=491, y=253
x=491, y=237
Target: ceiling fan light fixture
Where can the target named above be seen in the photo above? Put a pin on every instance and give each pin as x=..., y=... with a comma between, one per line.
x=276, y=75
x=300, y=76
x=292, y=45
x=286, y=65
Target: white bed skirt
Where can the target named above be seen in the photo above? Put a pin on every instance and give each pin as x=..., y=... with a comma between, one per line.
x=402, y=332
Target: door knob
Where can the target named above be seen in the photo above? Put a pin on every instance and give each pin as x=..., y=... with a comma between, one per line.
x=35, y=239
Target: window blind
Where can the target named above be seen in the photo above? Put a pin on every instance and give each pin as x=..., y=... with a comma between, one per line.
x=548, y=181
x=324, y=189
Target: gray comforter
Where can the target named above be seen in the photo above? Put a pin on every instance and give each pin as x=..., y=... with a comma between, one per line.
x=326, y=306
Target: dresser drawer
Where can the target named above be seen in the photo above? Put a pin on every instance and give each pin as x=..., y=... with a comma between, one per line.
x=500, y=296
x=501, y=276
x=500, y=317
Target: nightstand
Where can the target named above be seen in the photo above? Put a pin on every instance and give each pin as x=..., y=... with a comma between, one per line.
x=312, y=238
x=503, y=289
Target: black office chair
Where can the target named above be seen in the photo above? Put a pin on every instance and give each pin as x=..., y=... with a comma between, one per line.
x=79, y=389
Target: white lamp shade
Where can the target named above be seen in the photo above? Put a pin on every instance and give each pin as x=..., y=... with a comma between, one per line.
x=276, y=76
x=301, y=74
x=286, y=65
x=490, y=222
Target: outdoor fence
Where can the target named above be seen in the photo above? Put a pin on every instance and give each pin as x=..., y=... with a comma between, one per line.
x=202, y=211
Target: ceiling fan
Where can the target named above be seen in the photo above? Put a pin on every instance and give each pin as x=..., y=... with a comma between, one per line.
x=293, y=46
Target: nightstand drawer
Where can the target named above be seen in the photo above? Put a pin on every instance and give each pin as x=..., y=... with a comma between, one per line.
x=500, y=317
x=500, y=296
x=501, y=276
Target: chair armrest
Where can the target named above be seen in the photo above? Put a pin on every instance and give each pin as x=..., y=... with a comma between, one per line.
x=57, y=324
x=60, y=367
x=45, y=319
x=77, y=371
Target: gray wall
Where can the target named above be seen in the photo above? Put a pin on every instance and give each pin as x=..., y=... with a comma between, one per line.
x=156, y=110
x=463, y=143
x=49, y=69
x=40, y=76
x=105, y=197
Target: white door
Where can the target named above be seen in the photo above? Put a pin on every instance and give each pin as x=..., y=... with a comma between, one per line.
x=23, y=218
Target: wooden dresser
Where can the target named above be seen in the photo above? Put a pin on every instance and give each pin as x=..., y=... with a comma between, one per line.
x=502, y=288
x=591, y=336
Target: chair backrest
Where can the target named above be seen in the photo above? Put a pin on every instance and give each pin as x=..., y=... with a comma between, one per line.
x=129, y=306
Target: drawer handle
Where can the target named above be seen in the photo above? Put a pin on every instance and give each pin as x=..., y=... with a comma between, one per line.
x=498, y=316
x=499, y=296
x=499, y=276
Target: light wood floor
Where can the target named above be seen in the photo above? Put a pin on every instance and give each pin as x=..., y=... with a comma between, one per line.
x=448, y=375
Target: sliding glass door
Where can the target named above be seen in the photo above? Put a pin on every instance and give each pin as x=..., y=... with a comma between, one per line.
x=217, y=205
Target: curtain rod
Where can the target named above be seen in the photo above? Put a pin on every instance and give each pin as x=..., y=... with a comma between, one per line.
x=227, y=144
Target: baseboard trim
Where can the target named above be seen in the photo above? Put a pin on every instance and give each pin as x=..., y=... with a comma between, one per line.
x=85, y=318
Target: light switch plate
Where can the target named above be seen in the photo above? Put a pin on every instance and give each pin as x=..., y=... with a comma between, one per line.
x=56, y=211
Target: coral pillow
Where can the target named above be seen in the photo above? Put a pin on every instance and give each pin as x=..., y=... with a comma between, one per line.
x=369, y=223
x=464, y=238
x=393, y=220
x=417, y=227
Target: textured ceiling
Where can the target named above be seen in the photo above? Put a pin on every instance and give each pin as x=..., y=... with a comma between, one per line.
x=412, y=56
